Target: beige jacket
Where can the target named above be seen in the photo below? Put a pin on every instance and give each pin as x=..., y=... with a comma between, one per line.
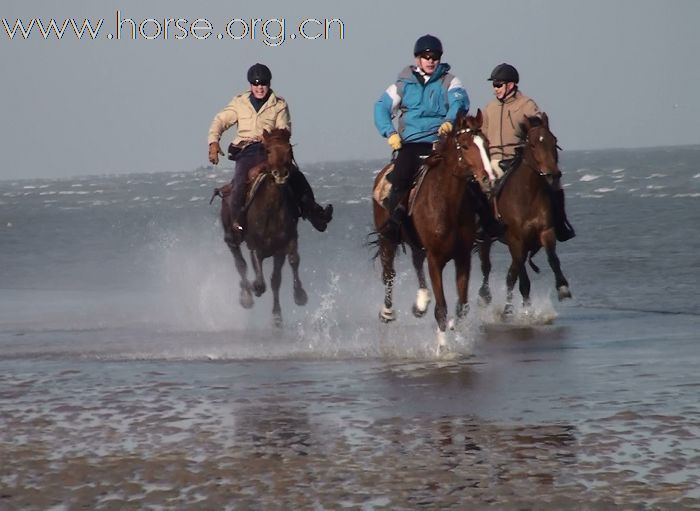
x=502, y=123
x=273, y=114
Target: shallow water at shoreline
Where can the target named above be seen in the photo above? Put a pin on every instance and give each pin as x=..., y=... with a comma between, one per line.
x=545, y=416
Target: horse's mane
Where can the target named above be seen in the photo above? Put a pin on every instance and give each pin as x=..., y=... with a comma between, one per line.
x=278, y=135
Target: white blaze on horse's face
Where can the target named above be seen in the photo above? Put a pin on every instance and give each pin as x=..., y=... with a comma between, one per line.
x=479, y=141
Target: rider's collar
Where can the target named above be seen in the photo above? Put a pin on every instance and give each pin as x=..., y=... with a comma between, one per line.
x=510, y=96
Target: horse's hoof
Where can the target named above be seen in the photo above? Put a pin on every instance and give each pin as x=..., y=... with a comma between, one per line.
x=300, y=297
x=277, y=320
x=422, y=301
x=485, y=298
x=417, y=312
x=441, y=342
x=258, y=288
x=387, y=315
x=246, y=299
x=563, y=292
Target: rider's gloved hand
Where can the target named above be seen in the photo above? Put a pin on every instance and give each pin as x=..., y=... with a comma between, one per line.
x=394, y=141
x=445, y=128
x=214, y=152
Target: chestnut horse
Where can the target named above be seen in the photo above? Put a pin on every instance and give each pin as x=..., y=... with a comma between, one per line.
x=271, y=217
x=524, y=204
x=443, y=220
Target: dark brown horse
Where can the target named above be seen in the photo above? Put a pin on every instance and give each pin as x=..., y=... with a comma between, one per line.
x=443, y=220
x=271, y=217
x=524, y=204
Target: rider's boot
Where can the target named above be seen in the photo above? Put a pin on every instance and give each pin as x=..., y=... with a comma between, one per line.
x=489, y=228
x=562, y=228
x=316, y=214
x=391, y=230
x=319, y=216
x=237, y=214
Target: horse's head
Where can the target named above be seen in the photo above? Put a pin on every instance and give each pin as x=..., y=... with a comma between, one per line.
x=473, y=149
x=541, y=145
x=279, y=153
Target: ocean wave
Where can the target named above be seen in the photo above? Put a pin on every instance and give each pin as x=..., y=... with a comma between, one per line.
x=589, y=177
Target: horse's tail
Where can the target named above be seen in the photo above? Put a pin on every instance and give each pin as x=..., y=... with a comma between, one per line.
x=373, y=238
x=534, y=267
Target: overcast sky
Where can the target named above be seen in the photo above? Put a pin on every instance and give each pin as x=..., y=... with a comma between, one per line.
x=610, y=73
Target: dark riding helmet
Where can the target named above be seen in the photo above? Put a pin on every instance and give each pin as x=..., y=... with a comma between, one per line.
x=504, y=73
x=427, y=43
x=259, y=74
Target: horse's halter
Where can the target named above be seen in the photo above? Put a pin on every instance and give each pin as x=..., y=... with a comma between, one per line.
x=482, y=150
x=550, y=173
x=279, y=178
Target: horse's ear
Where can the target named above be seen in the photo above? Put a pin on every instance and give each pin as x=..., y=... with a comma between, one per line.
x=545, y=119
x=266, y=134
x=479, y=118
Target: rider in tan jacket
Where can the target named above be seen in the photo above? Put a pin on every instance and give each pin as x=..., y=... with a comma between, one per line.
x=274, y=113
x=252, y=112
x=502, y=118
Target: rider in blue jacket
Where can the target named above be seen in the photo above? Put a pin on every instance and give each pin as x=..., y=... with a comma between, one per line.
x=426, y=97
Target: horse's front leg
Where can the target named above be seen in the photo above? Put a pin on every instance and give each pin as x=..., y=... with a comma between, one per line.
x=259, y=282
x=524, y=286
x=463, y=270
x=300, y=296
x=420, y=307
x=435, y=268
x=485, y=258
x=275, y=282
x=562, y=285
x=246, y=297
x=387, y=251
x=517, y=262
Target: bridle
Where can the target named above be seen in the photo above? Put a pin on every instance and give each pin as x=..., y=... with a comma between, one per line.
x=275, y=173
x=461, y=162
x=538, y=168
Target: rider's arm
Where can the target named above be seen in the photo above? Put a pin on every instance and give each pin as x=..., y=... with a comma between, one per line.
x=530, y=108
x=283, y=120
x=457, y=99
x=222, y=121
x=384, y=110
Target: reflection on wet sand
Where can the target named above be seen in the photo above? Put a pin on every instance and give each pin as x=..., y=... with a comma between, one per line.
x=304, y=443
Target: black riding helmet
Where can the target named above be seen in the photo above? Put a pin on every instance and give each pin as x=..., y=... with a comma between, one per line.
x=259, y=74
x=504, y=73
x=427, y=43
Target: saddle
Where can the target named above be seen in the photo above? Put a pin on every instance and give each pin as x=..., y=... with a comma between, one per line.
x=255, y=178
x=381, y=191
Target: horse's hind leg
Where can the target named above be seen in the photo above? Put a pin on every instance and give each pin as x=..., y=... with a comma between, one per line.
x=560, y=281
x=275, y=282
x=420, y=307
x=387, y=251
x=300, y=296
x=485, y=258
x=259, y=282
